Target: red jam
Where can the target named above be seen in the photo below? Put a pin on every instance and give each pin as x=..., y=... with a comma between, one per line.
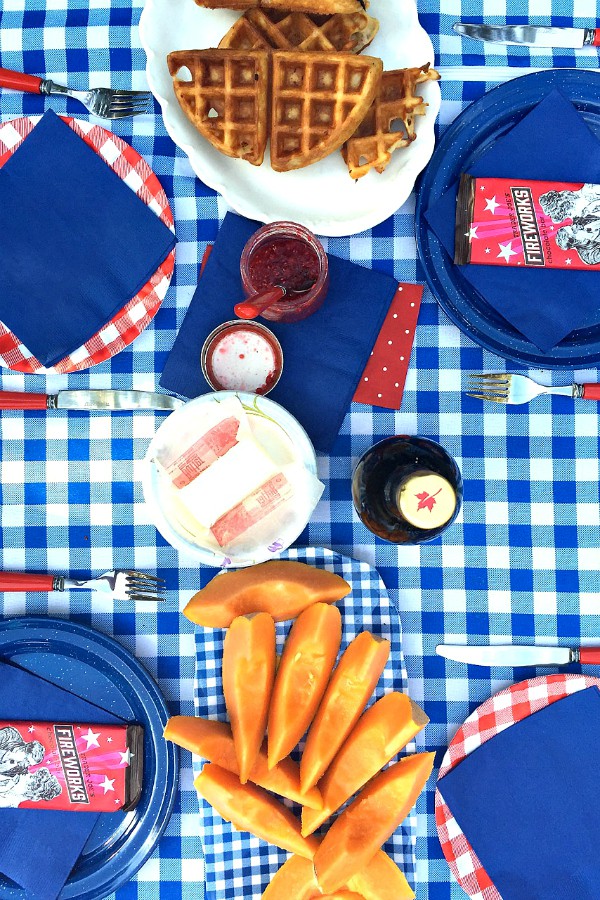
x=285, y=262
x=289, y=255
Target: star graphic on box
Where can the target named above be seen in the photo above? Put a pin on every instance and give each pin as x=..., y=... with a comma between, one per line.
x=108, y=784
x=506, y=251
x=491, y=205
x=91, y=738
x=125, y=757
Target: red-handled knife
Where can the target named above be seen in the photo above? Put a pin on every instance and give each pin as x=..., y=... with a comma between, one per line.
x=95, y=399
x=514, y=655
x=530, y=35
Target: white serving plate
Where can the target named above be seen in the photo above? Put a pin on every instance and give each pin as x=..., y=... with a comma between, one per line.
x=279, y=433
x=322, y=197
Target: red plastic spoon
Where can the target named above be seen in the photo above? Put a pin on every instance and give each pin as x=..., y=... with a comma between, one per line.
x=253, y=306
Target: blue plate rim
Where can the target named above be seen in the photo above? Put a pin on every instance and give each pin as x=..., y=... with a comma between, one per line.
x=105, y=880
x=528, y=89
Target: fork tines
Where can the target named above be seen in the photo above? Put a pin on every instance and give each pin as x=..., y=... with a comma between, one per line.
x=491, y=386
x=140, y=586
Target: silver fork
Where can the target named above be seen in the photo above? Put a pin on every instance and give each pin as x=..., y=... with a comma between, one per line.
x=120, y=584
x=106, y=103
x=503, y=387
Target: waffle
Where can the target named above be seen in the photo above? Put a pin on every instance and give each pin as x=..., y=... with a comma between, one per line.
x=226, y=99
x=318, y=101
x=318, y=7
x=390, y=123
x=260, y=29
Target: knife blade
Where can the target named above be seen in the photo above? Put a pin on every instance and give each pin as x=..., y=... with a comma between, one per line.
x=514, y=655
x=530, y=35
x=93, y=399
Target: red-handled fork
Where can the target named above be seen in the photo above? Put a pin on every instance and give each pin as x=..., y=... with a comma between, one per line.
x=119, y=584
x=106, y=103
x=503, y=387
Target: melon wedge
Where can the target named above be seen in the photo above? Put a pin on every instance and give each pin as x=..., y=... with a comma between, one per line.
x=249, y=655
x=250, y=808
x=362, y=828
x=381, y=879
x=214, y=741
x=283, y=588
x=380, y=733
x=306, y=664
x=347, y=694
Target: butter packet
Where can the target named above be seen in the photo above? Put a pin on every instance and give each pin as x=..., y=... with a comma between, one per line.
x=228, y=492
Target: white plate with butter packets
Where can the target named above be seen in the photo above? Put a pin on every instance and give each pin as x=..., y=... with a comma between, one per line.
x=322, y=196
x=231, y=479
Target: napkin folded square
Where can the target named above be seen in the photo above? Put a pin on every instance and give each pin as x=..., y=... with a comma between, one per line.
x=544, y=305
x=38, y=848
x=323, y=355
x=76, y=243
x=528, y=802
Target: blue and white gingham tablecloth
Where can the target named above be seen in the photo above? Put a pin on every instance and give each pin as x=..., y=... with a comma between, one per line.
x=521, y=563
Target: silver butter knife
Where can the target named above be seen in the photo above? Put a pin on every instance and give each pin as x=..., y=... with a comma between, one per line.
x=95, y=399
x=530, y=35
x=514, y=655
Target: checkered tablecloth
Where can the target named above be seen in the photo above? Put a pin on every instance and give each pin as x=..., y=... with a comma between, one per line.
x=520, y=564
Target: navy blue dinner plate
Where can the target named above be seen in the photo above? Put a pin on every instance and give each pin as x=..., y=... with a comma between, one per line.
x=475, y=130
x=99, y=670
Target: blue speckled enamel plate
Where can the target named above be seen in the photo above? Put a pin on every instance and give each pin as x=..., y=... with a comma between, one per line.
x=495, y=114
x=95, y=667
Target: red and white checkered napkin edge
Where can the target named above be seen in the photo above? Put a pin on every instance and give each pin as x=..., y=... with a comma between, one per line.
x=495, y=715
x=131, y=320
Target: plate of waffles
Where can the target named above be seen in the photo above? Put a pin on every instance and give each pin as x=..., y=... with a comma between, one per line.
x=318, y=111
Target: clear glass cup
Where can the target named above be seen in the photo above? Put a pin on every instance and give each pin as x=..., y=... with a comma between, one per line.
x=281, y=236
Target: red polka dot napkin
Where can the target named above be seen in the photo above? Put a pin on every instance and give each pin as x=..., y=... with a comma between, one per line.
x=382, y=382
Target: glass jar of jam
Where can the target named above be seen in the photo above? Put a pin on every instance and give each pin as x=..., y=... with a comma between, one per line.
x=287, y=255
x=242, y=356
x=407, y=490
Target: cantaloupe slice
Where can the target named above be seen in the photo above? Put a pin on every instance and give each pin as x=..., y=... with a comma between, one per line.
x=248, y=674
x=380, y=733
x=283, y=588
x=306, y=664
x=347, y=694
x=250, y=808
x=381, y=879
x=362, y=828
x=214, y=741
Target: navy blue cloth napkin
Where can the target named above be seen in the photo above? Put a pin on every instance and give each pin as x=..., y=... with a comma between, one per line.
x=323, y=355
x=76, y=243
x=39, y=848
x=528, y=802
x=547, y=305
